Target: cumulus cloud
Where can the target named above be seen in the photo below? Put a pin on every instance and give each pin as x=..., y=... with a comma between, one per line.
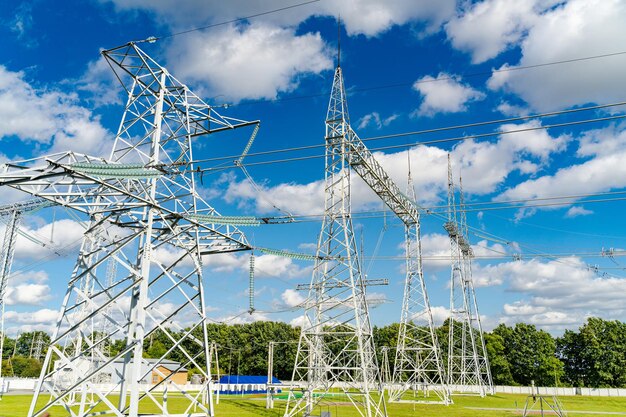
x=571, y=31
x=61, y=238
x=292, y=298
x=53, y=120
x=483, y=165
x=448, y=95
x=43, y=316
x=256, y=61
x=100, y=83
x=604, y=151
x=27, y=294
x=366, y=17
x=487, y=28
x=557, y=293
x=27, y=288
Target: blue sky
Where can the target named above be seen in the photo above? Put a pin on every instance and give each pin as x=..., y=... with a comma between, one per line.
x=409, y=66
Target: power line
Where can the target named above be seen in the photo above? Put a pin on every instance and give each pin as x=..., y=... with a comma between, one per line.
x=239, y=19
x=413, y=144
x=426, y=131
x=438, y=79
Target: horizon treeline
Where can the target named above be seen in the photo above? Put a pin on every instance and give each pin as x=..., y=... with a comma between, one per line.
x=593, y=356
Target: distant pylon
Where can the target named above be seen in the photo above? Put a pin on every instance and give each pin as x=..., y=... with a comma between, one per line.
x=418, y=364
x=38, y=346
x=385, y=369
x=336, y=346
x=468, y=364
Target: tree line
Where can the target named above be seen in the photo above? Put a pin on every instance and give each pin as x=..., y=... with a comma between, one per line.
x=592, y=356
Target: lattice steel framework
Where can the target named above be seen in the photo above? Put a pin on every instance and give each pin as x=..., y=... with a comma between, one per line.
x=468, y=364
x=147, y=217
x=14, y=213
x=418, y=365
x=336, y=347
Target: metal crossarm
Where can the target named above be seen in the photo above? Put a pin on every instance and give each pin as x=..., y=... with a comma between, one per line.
x=375, y=176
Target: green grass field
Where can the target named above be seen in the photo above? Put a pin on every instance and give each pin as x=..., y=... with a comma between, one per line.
x=464, y=406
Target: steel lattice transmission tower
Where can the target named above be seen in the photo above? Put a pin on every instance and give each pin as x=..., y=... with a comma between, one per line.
x=147, y=217
x=336, y=347
x=418, y=364
x=14, y=213
x=468, y=364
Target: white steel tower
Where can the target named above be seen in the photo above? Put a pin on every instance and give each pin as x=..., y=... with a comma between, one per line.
x=468, y=364
x=418, y=365
x=147, y=217
x=336, y=347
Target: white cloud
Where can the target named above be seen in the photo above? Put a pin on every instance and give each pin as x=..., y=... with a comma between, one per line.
x=489, y=27
x=48, y=117
x=366, y=17
x=558, y=293
x=605, y=150
x=100, y=83
x=22, y=24
x=292, y=298
x=440, y=314
x=27, y=288
x=571, y=31
x=243, y=318
x=295, y=198
x=576, y=211
x=300, y=321
x=256, y=61
x=27, y=294
x=436, y=250
x=375, y=120
x=483, y=165
x=43, y=316
x=65, y=234
x=446, y=96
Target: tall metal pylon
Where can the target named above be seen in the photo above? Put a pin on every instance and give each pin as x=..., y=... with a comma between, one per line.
x=468, y=364
x=336, y=346
x=418, y=365
x=146, y=216
x=14, y=213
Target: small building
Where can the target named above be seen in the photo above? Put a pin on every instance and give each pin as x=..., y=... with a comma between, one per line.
x=167, y=368
x=113, y=373
x=245, y=384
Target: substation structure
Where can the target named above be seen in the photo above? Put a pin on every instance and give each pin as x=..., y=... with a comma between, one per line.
x=139, y=269
x=336, y=349
x=142, y=250
x=468, y=364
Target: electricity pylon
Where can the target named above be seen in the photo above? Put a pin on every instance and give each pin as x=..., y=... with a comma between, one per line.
x=14, y=213
x=418, y=364
x=336, y=346
x=147, y=217
x=468, y=364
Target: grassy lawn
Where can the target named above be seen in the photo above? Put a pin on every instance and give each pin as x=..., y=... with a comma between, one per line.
x=464, y=406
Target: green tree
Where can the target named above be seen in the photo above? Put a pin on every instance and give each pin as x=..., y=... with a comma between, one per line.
x=531, y=354
x=500, y=366
x=596, y=355
x=25, y=367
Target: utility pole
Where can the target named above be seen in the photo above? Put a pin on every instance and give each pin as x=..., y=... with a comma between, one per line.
x=269, y=403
